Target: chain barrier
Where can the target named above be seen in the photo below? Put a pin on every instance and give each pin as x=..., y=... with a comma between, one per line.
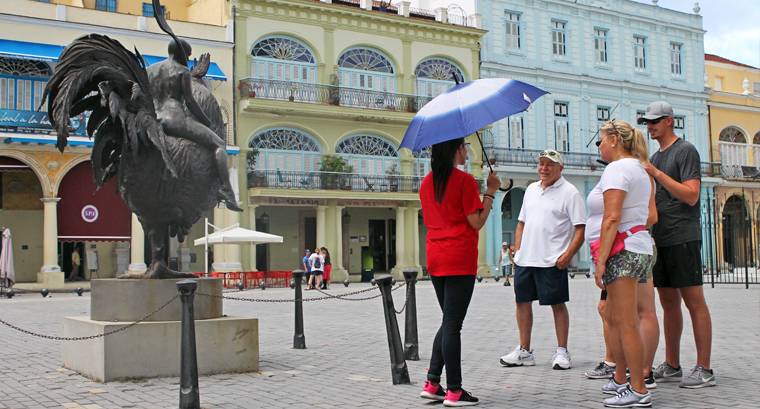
x=406, y=301
x=104, y=334
x=289, y=300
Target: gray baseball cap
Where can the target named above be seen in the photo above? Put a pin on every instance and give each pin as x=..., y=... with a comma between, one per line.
x=655, y=110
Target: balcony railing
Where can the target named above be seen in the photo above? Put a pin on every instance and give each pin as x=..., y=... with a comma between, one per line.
x=330, y=95
x=511, y=156
x=285, y=179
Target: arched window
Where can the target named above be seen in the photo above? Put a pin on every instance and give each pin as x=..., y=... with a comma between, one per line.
x=422, y=162
x=22, y=83
x=756, y=138
x=368, y=154
x=366, y=69
x=732, y=134
x=283, y=58
x=435, y=76
x=285, y=149
x=734, y=152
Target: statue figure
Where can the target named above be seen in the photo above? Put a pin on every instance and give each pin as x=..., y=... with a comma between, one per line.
x=159, y=131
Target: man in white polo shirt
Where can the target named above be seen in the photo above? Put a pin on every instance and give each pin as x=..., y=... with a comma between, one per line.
x=549, y=233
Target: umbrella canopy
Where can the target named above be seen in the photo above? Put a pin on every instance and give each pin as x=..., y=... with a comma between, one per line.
x=466, y=108
x=239, y=235
x=7, y=271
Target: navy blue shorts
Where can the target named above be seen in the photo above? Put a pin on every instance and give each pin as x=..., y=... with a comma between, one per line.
x=548, y=285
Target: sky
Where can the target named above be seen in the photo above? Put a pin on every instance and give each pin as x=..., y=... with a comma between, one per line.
x=733, y=27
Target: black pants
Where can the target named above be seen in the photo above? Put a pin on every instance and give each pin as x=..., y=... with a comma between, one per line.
x=454, y=294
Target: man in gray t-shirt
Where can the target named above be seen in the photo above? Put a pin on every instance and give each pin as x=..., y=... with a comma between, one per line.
x=678, y=270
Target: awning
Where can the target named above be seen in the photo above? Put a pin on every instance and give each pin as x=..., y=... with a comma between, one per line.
x=41, y=139
x=238, y=235
x=50, y=52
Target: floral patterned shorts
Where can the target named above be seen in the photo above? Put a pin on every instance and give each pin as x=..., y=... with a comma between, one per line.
x=629, y=264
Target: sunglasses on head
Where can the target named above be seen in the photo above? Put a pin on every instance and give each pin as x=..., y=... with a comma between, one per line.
x=551, y=154
x=612, y=123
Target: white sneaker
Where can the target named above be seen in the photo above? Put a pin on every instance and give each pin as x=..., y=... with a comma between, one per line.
x=561, y=359
x=518, y=357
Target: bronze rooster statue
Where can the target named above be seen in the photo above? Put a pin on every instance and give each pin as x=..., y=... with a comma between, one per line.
x=158, y=130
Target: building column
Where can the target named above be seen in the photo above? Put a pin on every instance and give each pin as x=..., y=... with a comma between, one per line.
x=321, y=225
x=401, y=261
x=484, y=270
x=494, y=232
x=415, y=211
x=252, y=247
x=137, y=248
x=50, y=274
x=339, y=273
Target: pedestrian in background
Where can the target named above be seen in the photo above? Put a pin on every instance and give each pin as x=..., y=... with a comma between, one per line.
x=306, y=266
x=327, y=268
x=453, y=213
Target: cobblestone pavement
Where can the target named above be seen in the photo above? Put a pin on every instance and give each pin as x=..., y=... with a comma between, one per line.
x=347, y=361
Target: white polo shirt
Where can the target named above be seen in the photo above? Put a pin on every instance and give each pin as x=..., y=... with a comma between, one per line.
x=550, y=216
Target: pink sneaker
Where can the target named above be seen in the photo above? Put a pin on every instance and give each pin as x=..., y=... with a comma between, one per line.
x=433, y=391
x=459, y=398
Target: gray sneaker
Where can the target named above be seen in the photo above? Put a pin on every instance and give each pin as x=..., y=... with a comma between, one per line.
x=602, y=371
x=628, y=398
x=698, y=378
x=667, y=373
x=613, y=388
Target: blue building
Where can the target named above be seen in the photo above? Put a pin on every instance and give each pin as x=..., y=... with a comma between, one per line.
x=600, y=60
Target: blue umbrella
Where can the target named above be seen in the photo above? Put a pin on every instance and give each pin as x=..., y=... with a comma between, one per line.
x=466, y=108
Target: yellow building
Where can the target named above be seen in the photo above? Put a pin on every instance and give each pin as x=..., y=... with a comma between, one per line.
x=325, y=92
x=734, y=107
x=45, y=199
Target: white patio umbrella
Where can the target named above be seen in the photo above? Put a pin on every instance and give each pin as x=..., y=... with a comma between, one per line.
x=7, y=270
x=234, y=235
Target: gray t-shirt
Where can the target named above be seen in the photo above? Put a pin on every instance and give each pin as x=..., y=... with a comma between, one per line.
x=678, y=222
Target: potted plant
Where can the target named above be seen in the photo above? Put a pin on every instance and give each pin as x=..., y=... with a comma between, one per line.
x=392, y=173
x=256, y=178
x=333, y=169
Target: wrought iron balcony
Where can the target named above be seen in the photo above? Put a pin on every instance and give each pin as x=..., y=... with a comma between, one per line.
x=521, y=157
x=710, y=169
x=330, y=95
x=285, y=179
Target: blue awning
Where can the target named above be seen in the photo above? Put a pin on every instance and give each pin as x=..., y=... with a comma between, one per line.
x=214, y=72
x=33, y=51
x=50, y=52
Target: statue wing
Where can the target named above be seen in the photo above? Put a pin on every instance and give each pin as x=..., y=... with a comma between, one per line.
x=200, y=69
x=97, y=74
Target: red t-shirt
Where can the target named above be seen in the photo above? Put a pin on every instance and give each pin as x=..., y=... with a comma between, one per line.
x=452, y=244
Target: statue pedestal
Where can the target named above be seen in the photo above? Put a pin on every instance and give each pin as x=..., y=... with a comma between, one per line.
x=152, y=347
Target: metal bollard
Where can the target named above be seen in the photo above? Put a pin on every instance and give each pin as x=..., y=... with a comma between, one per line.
x=411, y=343
x=299, y=339
x=189, y=395
x=399, y=372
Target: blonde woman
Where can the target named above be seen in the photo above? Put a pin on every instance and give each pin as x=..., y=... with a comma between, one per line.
x=620, y=207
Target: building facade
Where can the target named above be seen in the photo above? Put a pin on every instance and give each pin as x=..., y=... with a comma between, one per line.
x=734, y=107
x=599, y=60
x=325, y=92
x=48, y=199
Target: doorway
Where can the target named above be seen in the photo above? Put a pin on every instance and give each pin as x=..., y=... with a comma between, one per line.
x=262, y=250
x=377, y=245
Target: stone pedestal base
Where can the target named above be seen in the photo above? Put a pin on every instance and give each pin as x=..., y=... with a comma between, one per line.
x=51, y=279
x=152, y=349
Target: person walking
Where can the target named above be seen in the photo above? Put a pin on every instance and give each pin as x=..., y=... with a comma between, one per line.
x=306, y=266
x=619, y=208
x=549, y=233
x=327, y=268
x=317, y=262
x=453, y=213
x=678, y=269
x=505, y=262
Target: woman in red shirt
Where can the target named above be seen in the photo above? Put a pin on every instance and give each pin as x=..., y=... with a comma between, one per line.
x=453, y=214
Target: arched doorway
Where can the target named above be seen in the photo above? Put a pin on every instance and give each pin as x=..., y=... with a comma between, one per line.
x=21, y=212
x=736, y=232
x=510, y=210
